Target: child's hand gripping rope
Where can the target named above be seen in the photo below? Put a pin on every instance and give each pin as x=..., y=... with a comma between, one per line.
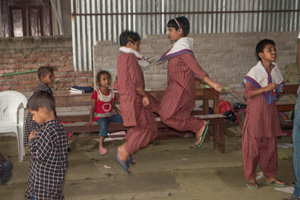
x=279, y=86
x=227, y=88
x=220, y=89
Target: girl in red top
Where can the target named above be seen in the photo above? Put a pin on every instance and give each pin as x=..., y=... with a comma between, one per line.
x=103, y=109
x=179, y=98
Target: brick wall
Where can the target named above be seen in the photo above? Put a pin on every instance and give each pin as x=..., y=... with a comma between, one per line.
x=25, y=54
x=227, y=57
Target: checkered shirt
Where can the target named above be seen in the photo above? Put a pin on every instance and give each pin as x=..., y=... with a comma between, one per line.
x=2, y=161
x=48, y=162
x=43, y=87
x=30, y=125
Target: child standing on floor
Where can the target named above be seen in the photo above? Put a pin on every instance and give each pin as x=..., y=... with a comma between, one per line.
x=136, y=105
x=48, y=149
x=262, y=126
x=179, y=98
x=103, y=108
x=46, y=76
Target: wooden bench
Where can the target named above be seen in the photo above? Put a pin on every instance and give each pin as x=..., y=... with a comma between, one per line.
x=80, y=118
x=283, y=106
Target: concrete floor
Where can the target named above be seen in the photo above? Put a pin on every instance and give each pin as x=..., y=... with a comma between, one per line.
x=166, y=169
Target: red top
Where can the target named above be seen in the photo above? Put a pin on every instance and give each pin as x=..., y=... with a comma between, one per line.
x=104, y=102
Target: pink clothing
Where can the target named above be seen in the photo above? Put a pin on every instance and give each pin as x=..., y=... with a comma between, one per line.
x=260, y=151
x=261, y=118
x=130, y=77
x=144, y=127
x=178, y=100
x=259, y=136
x=104, y=104
x=144, y=132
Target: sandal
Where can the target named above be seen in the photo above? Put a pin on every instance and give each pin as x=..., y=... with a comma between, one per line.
x=252, y=185
x=102, y=151
x=203, y=135
x=130, y=160
x=123, y=164
x=275, y=183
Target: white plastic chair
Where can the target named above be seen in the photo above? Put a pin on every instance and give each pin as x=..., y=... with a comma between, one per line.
x=12, y=117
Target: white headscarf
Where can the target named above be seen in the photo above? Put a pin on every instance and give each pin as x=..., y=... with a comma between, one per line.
x=143, y=61
x=183, y=45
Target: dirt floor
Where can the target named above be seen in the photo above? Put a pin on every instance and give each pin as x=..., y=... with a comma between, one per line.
x=169, y=168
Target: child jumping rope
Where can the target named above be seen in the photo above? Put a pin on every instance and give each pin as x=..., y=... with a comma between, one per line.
x=262, y=126
x=136, y=105
x=178, y=100
x=103, y=108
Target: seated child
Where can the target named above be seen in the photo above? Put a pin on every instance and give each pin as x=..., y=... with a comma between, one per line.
x=46, y=76
x=5, y=170
x=48, y=149
x=103, y=109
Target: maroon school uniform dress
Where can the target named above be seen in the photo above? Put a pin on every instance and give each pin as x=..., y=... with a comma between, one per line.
x=179, y=98
x=141, y=119
x=261, y=128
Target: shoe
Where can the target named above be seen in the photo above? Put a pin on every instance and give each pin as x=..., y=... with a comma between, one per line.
x=6, y=172
x=102, y=151
x=130, y=160
x=273, y=183
x=252, y=185
x=123, y=164
x=203, y=135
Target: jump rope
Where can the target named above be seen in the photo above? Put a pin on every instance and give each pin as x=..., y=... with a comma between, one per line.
x=240, y=98
x=206, y=86
x=226, y=105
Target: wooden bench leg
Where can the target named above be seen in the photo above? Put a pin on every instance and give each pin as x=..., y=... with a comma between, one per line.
x=219, y=135
x=222, y=135
x=216, y=131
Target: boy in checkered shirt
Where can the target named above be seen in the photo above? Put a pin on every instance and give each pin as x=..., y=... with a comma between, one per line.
x=46, y=76
x=48, y=150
